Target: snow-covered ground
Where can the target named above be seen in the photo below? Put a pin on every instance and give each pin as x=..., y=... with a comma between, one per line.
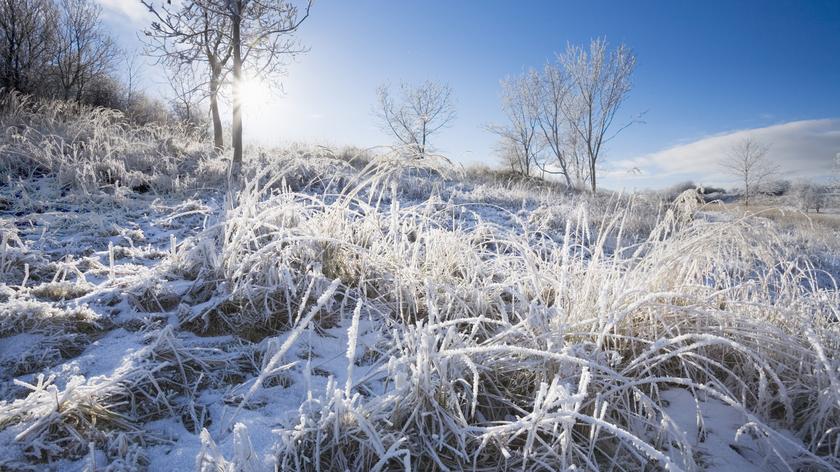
x=115, y=266
x=383, y=313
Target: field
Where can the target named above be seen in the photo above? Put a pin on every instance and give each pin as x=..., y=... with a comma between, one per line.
x=353, y=310
x=787, y=215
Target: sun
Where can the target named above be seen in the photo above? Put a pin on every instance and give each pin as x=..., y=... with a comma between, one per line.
x=255, y=94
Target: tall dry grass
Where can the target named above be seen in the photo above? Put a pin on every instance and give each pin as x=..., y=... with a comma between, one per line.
x=516, y=327
x=509, y=348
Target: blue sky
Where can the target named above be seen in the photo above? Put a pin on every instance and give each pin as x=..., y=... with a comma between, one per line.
x=708, y=72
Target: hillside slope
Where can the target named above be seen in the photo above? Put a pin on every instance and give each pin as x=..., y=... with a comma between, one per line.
x=358, y=312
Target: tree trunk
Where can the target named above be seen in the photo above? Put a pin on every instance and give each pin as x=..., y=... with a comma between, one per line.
x=746, y=194
x=568, y=179
x=218, y=137
x=423, y=145
x=592, y=175
x=236, y=163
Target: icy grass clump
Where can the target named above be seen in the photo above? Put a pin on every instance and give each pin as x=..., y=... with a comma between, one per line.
x=25, y=315
x=19, y=265
x=508, y=349
x=513, y=325
x=87, y=148
x=159, y=380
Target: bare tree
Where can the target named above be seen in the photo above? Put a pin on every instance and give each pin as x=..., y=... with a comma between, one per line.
x=812, y=196
x=185, y=35
x=83, y=49
x=262, y=26
x=132, y=76
x=601, y=82
x=554, y=95
x=512, y=156
x=187, y=95
x=747, y=161
x=27, y=32
x=253, y=34
x=519, y=137
x=417, y=114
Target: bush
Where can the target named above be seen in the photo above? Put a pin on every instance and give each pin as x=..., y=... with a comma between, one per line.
x=812, y=196
x=713, y=190
x=779, y=188
x=677, y=189
x=89, y=148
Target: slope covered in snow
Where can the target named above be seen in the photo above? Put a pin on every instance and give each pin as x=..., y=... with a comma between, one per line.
x=380, y=313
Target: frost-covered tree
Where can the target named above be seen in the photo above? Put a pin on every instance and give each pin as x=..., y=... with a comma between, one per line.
x=555, y=97
x=600, y=78
x=190, y=39
x=747, y=162
x=187, y=95
x=520, y=141
x=252, y=35
x=417, y=114
x=568, y=109
x=812, y=196
x=133, y=73
x=260, y=39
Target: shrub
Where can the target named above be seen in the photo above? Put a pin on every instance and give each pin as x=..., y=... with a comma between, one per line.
x=812, y=196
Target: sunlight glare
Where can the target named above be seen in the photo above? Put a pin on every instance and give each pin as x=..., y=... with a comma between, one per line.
x=255, y=94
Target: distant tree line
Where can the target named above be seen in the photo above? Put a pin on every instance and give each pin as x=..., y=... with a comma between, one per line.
x=60, y=49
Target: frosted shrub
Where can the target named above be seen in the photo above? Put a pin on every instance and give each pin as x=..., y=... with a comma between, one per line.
x=88, y=148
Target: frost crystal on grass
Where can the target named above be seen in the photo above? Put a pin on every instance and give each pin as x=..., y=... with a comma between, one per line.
x=380, y=312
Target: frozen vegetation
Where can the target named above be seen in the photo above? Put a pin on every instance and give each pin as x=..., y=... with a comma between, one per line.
x=364, y=311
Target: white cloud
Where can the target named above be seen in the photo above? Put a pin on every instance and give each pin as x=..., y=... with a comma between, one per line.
x=801, y=149
x=132, y=10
